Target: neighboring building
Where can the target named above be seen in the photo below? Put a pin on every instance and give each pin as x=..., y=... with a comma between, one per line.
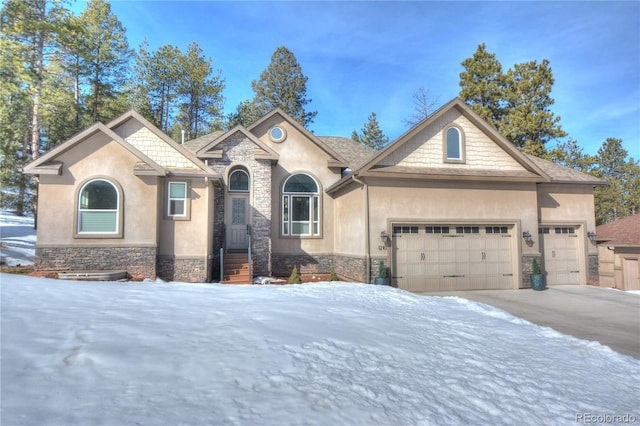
x=619, y=253
x=451, y=204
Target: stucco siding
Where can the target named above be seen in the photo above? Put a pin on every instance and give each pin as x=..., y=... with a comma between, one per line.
x=97, y=158
x=425, y=149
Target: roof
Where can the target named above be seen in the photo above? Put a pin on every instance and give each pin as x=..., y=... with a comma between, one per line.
x=621, y=232
x=563, y=174
x=195, y=144
x=354, y=152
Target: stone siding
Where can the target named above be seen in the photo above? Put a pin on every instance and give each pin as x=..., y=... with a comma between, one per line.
x=348, y=268
x=238, y=149
x=594, y=269
x=527, y=268
x=139, y=262
x=193, y=270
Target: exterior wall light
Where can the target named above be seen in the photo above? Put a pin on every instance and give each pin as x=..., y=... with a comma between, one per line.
x=384, y=237
x=592, y=236
x=527, y=236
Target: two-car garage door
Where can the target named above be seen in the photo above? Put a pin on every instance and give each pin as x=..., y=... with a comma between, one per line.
x=452, y=257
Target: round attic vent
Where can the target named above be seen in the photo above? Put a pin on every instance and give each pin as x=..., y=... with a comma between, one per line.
x=277, y=134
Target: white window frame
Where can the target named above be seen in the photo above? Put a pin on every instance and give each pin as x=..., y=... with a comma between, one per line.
x=184, y=199
x=80, y=211
x=315, y=210
x=461, y=145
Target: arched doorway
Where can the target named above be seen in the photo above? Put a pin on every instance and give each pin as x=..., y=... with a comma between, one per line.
x=237, y=214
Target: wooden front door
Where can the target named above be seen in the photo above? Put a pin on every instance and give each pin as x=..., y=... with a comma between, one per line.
x=237, y=220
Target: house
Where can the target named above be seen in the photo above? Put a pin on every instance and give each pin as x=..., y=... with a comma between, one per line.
x=451, y=204
x=619, y=253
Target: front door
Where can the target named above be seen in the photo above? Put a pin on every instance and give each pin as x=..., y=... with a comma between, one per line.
x=237, y=238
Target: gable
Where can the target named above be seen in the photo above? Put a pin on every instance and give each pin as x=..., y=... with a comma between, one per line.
x=86, y=142
x=425, y=149
x=152, y=145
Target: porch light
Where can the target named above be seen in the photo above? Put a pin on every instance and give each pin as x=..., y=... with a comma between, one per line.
x=592, y=236
x=384, y=237
x=527, y=236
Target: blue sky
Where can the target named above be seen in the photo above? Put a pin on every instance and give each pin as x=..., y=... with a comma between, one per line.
x=363, y=57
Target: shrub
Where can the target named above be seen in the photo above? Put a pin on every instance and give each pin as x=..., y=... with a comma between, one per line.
x=382, y=271
x=295, y=276
x=535, y=267
x=332, y=275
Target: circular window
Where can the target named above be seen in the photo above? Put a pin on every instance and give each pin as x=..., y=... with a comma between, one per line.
x=277, y=134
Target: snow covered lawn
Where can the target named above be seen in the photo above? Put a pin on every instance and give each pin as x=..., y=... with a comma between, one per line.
x=17, y=239
x=86, y=353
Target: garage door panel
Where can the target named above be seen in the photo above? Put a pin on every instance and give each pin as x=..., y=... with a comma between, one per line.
x=560, y=248
x=453, y=260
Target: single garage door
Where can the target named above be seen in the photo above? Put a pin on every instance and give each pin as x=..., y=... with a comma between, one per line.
x=560, y=247
x=452, y=257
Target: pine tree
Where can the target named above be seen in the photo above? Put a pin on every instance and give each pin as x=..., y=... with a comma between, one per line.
x=517, y=103
x=482, y=85
x=372, y=136
x=104, y=53
x=201, y=93
x=281, y=85
x=622, y=195
x=528, y=121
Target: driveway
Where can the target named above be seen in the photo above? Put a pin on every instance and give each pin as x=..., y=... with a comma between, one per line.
x=607, y=316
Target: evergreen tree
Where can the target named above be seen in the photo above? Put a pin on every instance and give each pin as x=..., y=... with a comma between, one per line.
x=528, y=121
x=517, y=103
x=104, y=53
x=282, y=85
x=372, y=136
x=201, y=92
x=482, y=85
x=622, y=196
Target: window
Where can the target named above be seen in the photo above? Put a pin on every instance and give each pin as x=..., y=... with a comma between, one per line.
x=453, y=145
x=397, y=230
x=98, y=208
x=436, y=229
x=467, y=229
x=496, y=230
x=239, y=181
x=300, y=206
x=177, y=200
x=277, y=134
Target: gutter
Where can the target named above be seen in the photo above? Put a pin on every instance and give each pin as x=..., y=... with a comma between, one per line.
x=367, y=255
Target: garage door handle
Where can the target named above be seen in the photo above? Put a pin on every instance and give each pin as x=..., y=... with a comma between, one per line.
x=575, y=272
x=453, y=276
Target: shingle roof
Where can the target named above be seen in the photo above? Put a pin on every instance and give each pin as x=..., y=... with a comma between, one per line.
x=355, y=153
x=559, y=173
x=195, y=144
x=625, y=231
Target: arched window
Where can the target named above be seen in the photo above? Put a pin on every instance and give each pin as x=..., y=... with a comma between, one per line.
x=239, y=180
x=454, y=145
x=99, y=208
x=300, y=206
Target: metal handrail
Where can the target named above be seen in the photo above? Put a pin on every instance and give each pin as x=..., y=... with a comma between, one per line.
x=249, y=253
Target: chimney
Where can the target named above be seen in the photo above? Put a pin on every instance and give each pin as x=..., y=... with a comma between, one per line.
x=182, y=132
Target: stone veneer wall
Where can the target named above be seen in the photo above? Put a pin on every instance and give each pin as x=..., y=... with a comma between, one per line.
x=238, y=149
x=527, y=269
x=139, y=262
x=594, y=269
x=346, y=267
x=171, y=268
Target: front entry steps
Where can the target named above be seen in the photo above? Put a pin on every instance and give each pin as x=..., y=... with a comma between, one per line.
x=236, y=269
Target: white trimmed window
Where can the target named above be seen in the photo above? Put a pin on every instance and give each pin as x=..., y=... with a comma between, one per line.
x=98, y=208
x=300, y=206
x=177, y=200
x=453, y=145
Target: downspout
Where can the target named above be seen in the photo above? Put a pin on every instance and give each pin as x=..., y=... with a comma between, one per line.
x=367, y=254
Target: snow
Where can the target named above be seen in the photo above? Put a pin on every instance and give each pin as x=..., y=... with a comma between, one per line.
x=88, y=353
x=17, y=238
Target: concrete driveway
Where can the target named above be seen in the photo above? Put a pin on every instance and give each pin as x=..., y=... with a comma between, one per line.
x=591, y=313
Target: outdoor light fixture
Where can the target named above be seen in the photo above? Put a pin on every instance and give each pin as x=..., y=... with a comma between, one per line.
x=592, y=236
x=384, y=237
x=527, y=236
